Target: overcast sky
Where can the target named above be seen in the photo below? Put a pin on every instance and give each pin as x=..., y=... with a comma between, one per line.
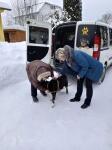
x=91, y=9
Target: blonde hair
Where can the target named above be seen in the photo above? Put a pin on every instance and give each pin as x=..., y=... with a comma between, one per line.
x=64, y=52
x=59, y=52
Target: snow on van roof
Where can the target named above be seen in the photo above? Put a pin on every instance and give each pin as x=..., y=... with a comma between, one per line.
x=94, y=22
x=5, y=6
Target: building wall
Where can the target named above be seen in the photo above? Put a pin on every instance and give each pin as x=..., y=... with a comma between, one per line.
x=1, y=29
x=15, y=36
x=42, y=15
x=48, y=10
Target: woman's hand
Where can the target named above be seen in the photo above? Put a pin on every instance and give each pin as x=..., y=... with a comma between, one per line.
x=78, y=77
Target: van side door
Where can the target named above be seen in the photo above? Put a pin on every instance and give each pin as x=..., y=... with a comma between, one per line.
x=104, y=49
x=38, y=39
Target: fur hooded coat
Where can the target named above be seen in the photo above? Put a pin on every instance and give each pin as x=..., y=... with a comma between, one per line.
x=38, y=70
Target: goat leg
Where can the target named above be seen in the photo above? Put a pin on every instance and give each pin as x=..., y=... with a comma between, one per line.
x=66, y=89
x=53, y=98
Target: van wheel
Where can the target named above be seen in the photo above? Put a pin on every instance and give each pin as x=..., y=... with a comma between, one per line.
x=103, y=75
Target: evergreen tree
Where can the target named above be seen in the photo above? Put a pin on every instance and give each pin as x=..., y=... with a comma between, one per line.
x=73, y=8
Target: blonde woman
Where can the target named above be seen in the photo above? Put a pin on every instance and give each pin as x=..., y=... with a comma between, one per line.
x=84, y=66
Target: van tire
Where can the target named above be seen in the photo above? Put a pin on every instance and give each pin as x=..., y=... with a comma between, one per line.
x=103, y=75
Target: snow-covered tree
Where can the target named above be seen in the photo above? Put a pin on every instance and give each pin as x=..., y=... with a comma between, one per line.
x=58, y=18
x=73, y=8
x=64, y=16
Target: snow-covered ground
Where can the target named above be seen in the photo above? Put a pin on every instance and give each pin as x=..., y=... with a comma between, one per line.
x=25, y=125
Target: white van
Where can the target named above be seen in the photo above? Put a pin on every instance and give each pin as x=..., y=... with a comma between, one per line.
x=97, y=35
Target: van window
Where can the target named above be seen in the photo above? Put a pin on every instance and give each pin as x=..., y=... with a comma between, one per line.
x=65, y=35
x=38, y=35
x=104, y=36
x=86, y=33
x=110, y=34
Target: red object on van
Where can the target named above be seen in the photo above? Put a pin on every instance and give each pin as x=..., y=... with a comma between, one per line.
x=96, y=49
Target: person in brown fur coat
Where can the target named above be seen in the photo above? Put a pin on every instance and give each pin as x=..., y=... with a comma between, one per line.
x=37, y=71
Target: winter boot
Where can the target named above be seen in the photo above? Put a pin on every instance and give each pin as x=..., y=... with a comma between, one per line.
x=85, y=105
x=74, y=99
x=35, y=99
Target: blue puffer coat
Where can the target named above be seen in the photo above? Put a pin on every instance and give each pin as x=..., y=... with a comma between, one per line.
x=85, y=65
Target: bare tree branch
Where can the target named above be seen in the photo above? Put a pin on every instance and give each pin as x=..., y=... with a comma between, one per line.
x=106, y=18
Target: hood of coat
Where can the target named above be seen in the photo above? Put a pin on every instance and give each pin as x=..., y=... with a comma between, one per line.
x=68, y=53
x=44, y=75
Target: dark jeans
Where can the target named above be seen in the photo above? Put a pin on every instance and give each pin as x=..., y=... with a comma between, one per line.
x=89, y=89
x=33, y=91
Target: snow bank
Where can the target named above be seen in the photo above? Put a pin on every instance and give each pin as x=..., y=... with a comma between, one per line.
x=12, y=63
